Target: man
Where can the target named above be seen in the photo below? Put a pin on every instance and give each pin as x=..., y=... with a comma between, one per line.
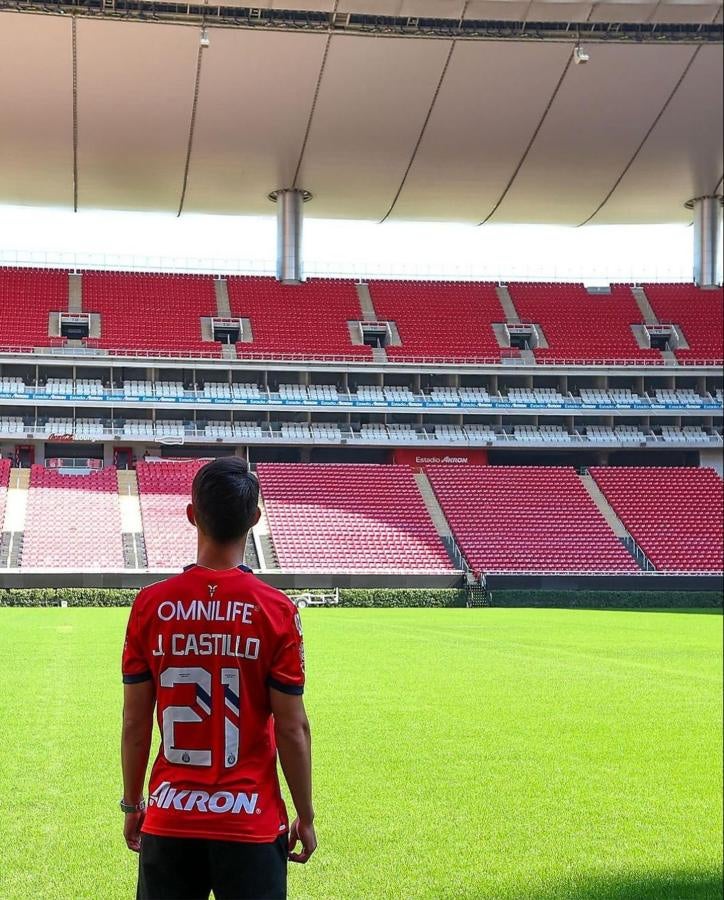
x=220, y=656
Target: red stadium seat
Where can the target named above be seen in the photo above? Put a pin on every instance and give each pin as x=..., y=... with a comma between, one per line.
x=301, y=320
x=350, y=518
x=150, y=311
x=539, y=519
x=674, y=514
x=578, y=325
x=164, y=490
x=440, y=320
x=73, y=521
x=700, y=313
x=27, y=297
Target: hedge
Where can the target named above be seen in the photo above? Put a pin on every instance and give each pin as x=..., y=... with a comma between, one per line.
x=27, y=597
x=609, y=599
x=403, y=597
x=73, y=596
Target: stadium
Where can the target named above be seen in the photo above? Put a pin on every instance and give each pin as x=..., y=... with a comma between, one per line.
x=486, y=446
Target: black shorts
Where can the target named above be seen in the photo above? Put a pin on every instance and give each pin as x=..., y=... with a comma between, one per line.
x=172, y=868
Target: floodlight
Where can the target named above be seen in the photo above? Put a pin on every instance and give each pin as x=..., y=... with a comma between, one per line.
x=204, y=38
x=579, y=55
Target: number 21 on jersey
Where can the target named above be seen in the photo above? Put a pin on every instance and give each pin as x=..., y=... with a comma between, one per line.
x=206, y=697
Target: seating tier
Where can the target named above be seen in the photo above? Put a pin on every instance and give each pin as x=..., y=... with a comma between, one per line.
x=578, y=325
x=674, y=514
x=306, y=320
x=27, y=297
x=164, y=490
x=350, y=518
x=520, y=518
x=73, y=521
x=439, y=320
x=700, y=313
x=151, y=311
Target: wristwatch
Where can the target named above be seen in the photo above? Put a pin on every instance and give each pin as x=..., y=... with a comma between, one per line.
x=132, y=807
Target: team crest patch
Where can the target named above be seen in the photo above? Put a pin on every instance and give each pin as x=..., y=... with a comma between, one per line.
x=212, y=590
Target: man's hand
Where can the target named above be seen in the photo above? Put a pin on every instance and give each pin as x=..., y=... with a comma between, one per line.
x=132, y=830
x=304, y=833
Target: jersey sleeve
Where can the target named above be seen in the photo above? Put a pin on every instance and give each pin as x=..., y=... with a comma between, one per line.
x=135, y=667
x=287, y=669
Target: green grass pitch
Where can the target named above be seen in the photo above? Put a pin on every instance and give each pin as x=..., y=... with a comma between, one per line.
x=458, y=754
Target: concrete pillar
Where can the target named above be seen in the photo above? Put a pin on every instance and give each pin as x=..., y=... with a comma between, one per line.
x=707, y=239
x=712, y=459
x=290, y=219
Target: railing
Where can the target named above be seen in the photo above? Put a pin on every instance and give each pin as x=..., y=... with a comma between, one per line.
x=485, y=268
x=595, y=573
x=455, y=553
x=350, y=359
x=267, y=435
x=344, y=398
x=602, y=573
x=70, y=462
x=637, y=552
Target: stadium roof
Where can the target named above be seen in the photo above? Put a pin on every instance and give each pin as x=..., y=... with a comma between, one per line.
x=468, y=120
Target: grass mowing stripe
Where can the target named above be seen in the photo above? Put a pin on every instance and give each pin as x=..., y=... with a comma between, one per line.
x=499, y=753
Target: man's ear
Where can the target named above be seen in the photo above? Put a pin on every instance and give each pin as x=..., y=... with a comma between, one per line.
x=190, y=514
x=257, y=516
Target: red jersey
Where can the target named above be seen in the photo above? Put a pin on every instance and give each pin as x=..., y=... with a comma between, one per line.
x=214, y=642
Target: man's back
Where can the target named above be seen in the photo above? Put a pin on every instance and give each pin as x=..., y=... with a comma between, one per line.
x=214, y=642
x=217, y=655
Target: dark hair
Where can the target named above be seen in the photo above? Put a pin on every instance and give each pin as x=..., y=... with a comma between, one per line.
x=225, y=495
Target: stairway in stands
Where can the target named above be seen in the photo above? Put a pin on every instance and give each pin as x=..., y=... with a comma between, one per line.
x=642, y=301
x=263, y=543
x=616, y=525
x=369, y=314
x=13, y=525
x=134, y=545
x=365, y=302
x=223, y=310
x=506, y=301
x=441, y=524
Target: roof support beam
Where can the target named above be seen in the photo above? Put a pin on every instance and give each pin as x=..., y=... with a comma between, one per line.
x=74, y=52
x=192, y=125
x=645, y=138
x=426, y=121
x=254, y=18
